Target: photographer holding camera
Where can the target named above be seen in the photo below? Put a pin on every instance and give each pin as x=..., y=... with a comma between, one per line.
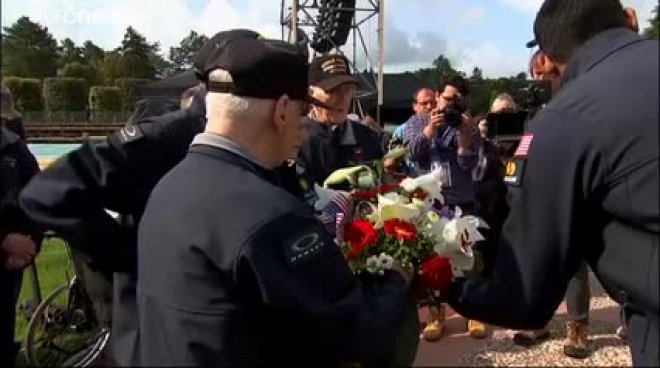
x=447, y=138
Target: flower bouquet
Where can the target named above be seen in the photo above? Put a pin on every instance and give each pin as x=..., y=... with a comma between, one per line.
x=405, y=222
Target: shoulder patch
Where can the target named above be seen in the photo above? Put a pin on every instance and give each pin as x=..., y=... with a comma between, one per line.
x=304, y=247
x=130, y=133
x=514, y=171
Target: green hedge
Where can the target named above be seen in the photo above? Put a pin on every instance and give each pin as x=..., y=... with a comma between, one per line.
x=26, y=93
x=31, y=98
x=105, y=102
x=62, y=94
x=14, y=84
x=127, y=87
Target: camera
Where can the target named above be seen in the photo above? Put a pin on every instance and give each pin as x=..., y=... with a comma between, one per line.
x=454, y=112
x=533, y=96
x=508, y=125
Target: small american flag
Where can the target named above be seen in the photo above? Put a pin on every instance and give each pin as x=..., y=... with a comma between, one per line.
x=334, y=213
x=523, y=147
x=339, y=235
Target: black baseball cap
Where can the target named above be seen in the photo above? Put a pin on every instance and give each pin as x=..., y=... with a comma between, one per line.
x=330, y=71
x=259, y=67
x=531, y=44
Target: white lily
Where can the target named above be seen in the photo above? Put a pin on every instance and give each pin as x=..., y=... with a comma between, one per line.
x=357, y=176
x=394, y=206
x=433, y=228
x=431, y=183
x=460, y=235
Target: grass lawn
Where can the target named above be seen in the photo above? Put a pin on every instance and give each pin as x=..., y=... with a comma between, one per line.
x=52, y=266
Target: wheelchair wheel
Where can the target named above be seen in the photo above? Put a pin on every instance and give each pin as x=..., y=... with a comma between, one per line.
x=61, y=332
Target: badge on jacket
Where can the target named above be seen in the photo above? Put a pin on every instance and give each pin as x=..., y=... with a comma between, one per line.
x=130, y=133
x=514, y=171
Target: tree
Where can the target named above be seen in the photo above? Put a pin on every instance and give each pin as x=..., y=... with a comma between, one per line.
x=92, y=54
x=135, y=56
x=88, y=72
x=70, y=53
x=28, y=50
x=111, y=68
x=522, y=76
x=477, y=74
x=182, y=57
x=653, y=31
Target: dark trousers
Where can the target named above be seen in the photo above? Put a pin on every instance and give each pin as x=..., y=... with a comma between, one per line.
x=578, y=296
x=10, y=287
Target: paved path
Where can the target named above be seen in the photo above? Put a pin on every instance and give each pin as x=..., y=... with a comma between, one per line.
x=457, y=348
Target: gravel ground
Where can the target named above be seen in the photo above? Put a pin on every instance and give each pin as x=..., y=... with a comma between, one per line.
x=608, y=349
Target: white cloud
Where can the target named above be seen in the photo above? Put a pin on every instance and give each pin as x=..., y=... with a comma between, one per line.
x=167, y=22
x=491, y=59
x=413, y=38
x=474, y=14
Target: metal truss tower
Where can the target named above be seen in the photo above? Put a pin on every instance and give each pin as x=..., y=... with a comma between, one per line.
x=299, y=18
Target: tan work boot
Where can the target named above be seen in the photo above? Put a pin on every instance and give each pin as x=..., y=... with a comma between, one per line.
x=530, y=338
x=435, y=326
x=476, y=329
x=576, y=343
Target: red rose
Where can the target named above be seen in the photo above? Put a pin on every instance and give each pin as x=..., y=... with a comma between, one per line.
x=400, y=229
x=359, y=234
x=436, y=273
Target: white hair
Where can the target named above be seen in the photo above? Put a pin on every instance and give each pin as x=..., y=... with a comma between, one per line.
x=229, y=106
x=506, y=98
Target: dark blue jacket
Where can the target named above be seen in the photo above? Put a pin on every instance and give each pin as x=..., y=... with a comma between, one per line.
x=585, y=190
x=17, y=167
x=236, y=271
x=329, y=148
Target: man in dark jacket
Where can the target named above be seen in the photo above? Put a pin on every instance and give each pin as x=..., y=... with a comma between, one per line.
x=235, y=271
x=334, y=141
x=118, y=174
x=18, y=236
x=583, y=181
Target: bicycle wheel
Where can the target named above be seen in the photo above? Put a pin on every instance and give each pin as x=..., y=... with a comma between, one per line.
x=61, y=334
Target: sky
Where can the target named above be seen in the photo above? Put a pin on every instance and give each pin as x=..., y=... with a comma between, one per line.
x=489, y=34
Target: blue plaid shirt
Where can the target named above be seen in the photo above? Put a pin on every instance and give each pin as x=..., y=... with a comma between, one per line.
x=443, y=150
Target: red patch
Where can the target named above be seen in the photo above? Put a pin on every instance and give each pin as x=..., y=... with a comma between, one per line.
x=523, y=147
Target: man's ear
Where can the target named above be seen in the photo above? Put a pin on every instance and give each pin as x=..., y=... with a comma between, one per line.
x=631, y=19
x=279, y=114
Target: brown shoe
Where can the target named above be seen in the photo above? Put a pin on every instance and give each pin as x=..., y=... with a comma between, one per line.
x=435, y=326
x=576, y=344
x=531, y=338
x=476, y=329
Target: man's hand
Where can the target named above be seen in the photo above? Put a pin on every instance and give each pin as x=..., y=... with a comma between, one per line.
x=436, y=121
x=20, y=251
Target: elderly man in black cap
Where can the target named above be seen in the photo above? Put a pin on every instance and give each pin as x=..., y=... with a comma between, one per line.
x=334, y=140
x=236, y=271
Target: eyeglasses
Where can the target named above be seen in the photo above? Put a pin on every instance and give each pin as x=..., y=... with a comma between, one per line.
x=431, y=103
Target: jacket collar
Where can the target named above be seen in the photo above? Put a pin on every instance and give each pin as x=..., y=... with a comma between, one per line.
x=597, y=49
x=346, y=131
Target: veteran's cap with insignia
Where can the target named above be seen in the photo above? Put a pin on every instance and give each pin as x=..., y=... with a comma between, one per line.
x=330, y=71
x=259, y=67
